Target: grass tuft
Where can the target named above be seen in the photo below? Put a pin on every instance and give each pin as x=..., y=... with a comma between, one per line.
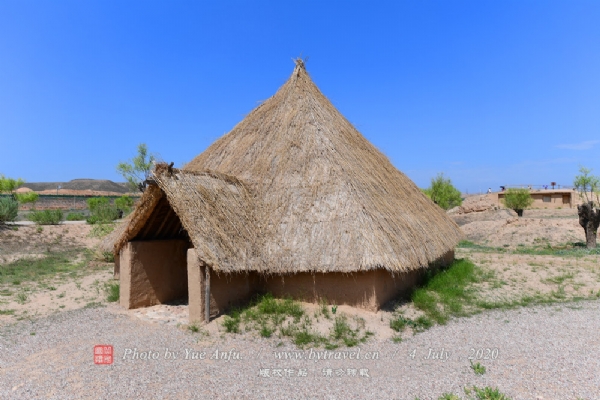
x=37, y=269
x=478, y=368
x=112, y=292
x=101, y=230
x=445, y=293
x=286, y=318
x=486, y=393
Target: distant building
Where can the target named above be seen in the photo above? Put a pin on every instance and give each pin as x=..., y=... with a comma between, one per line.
x=557, y=198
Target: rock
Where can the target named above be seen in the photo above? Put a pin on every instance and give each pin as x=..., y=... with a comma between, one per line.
x=473, y=204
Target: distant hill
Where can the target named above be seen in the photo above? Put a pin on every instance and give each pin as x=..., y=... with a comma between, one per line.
x=98, y=185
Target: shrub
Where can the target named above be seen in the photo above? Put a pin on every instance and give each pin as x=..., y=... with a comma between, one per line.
x=124, y=204
x=518, y=200
x=101, y=211
x=29, y=197
x=46, y=217
x=95, y=202
x=8, y=209
x=75, y=217
x=443, y=193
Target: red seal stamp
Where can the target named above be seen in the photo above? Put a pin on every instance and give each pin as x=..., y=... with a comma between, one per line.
x=103, y=354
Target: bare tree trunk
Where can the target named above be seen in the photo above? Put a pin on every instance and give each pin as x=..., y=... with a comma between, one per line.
x=589, y=219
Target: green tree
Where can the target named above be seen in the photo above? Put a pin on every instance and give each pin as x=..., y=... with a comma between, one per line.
x=9, y=185
x=124, y=204
x=29, y=197
x=9, y=207
x=443, y=193
x=588, y=187
x=518, y=200
x=137, y=170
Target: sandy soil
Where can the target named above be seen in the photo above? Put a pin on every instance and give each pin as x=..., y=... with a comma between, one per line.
x=20, y=241
x=502, y=228
x=65, y=291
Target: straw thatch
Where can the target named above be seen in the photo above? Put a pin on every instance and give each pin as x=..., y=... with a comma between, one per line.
x=215, y=211
x=321, y=197
x=108, y=242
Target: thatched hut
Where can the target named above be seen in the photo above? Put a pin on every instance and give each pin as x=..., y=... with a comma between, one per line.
x=294, y=201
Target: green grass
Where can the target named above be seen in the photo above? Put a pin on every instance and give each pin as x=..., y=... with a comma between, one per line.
x=108, y=256
x=539, y=248
x=478, y=368
x=465, y=244
x=400, y=323
x=446, y=293
x=231, y=323
x=559, y=279
x=286, y=318
x=101, y=230
x=486, y=393
x=448, y=396
x=324, y=308
x=21, y=297
x=34, y=270
x=343, y=332
x=7, y=312
x=452, y=293
x=112, y=292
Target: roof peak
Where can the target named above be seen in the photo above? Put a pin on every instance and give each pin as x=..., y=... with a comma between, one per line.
x=300, y=63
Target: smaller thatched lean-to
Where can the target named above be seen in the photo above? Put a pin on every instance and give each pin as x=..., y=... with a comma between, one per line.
x=295, y=201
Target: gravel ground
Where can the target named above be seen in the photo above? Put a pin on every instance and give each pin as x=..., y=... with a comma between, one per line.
x=550, y=352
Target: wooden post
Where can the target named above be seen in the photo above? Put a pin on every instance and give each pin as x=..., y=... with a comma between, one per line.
x=207, y=294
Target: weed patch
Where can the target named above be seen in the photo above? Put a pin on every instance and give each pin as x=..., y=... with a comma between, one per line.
x=454, y=292
x=446, y=293
x=112, y=292
x=421, y=324
x=32, y=270
x=478, y=368
x=486, y=393
x=100, y=230
x=540, y=248
x=270, y=317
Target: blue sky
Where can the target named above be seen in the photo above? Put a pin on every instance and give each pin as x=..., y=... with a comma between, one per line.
x=487, y=92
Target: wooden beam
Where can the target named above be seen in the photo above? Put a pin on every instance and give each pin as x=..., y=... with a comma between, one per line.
x=164, y=221
x=207, y=294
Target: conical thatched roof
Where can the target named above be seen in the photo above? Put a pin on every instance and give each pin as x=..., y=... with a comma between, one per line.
x=323, y=197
